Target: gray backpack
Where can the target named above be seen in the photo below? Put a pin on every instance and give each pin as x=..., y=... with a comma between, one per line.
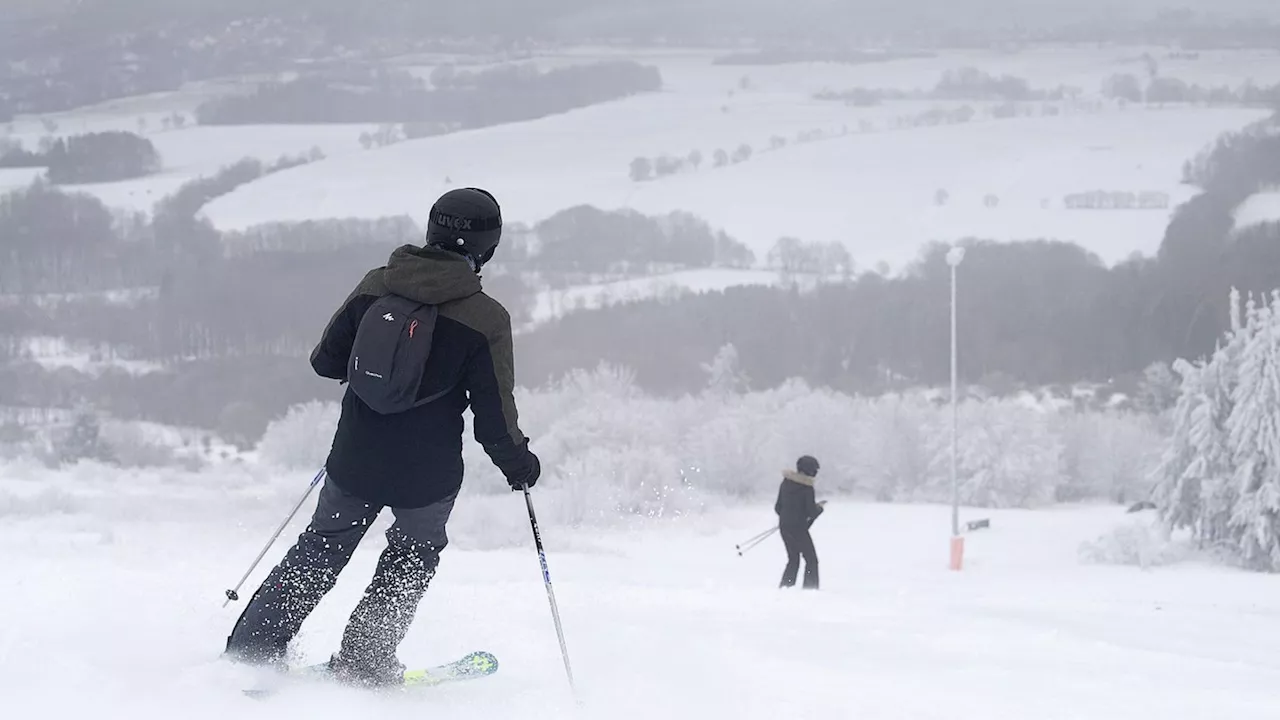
x=389, y=355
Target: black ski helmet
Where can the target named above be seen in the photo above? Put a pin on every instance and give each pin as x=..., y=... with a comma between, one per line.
x=807, y=465
x=466, y=221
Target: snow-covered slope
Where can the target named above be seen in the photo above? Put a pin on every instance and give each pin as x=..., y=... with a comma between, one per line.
x=120, y=618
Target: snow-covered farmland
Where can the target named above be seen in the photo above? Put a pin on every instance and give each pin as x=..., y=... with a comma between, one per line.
x=870, y=181
x=554, y=302
x=877, y=179
x=876, y=191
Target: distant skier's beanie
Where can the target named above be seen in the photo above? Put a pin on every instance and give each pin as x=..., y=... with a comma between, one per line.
x=807, y=465
x=468, y=221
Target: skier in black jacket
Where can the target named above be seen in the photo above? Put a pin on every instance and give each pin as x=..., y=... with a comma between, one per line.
x=797, y=510
x=409, y=461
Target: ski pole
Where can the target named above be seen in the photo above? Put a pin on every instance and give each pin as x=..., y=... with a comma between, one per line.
x=551, y=595
x=757, y=541
x=233, y=594
x=754, y=540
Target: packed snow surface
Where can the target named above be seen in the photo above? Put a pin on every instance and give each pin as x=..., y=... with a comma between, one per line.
x=114, y=610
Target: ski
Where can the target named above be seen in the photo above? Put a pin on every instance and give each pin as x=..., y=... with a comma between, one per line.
x=472, y=666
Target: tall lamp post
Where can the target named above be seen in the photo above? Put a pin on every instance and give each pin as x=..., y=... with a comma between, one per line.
x=954, y=256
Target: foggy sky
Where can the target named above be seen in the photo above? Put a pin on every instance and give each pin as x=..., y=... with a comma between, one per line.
x=852, y=15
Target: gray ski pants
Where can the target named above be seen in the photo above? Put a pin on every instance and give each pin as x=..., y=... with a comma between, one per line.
x=311, y=567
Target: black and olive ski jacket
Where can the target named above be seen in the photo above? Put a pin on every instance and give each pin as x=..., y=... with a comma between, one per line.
x=414, y=458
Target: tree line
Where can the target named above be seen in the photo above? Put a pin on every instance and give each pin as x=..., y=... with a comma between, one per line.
x=1038, y=312
x=457, y=99
x=90, y=158
x=232, y=316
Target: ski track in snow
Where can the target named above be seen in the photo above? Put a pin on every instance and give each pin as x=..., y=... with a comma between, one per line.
x=663, y=623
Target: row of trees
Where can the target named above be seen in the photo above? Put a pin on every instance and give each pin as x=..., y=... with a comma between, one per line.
x=643, y=168
x=1103, y=200
x=780, y=56
x=792, y=256
x=469, y=100
x=971, y=84
x=617, y=450
x=1162, y=90
x=231, y=315
x=966, y=83
x=95, y=157
x=1220, y=477
x=585, y=240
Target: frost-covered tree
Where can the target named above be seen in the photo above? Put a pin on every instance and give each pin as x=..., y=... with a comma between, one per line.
x=1253, y=433
x=1158, y=389
x=1192, y=489
x=724, y=373
x=1006, y=458
x=1221, y=471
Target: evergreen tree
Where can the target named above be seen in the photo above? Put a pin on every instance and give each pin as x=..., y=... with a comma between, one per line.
x=1193, y=490
x=1254, y=436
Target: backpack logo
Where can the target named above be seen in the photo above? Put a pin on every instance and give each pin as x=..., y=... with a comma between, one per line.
x=389, y=317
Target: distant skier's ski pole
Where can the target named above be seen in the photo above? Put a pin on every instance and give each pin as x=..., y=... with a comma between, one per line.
x=551, y=595
x=746, y=548
x=233, y=594
x=755, y=540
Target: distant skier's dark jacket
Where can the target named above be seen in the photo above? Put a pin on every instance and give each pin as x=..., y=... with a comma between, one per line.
x=413, y=459
x=797, y=505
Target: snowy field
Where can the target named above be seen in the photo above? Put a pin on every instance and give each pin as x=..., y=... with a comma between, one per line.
x=116, y=575
x=874, y=189
x=188, y=152
x=115, y=612
x=552, y=303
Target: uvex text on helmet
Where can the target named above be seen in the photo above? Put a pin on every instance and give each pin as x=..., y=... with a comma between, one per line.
x=468, y=221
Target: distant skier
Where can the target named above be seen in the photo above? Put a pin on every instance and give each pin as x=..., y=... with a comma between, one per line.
x=406, y=457
x=797, y=509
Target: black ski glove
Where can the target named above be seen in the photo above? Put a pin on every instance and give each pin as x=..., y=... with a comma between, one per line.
x=529, y=476
x=817, y=511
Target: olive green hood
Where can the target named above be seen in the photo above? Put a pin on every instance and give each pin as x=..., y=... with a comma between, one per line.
x=430, y=275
